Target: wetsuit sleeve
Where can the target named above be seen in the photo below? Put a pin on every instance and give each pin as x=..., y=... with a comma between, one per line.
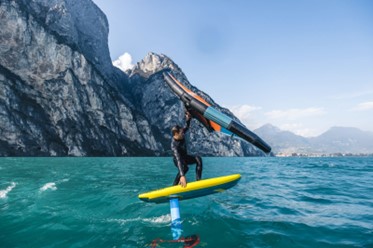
x=178, y=159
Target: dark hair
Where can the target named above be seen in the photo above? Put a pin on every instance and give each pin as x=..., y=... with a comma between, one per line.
x=175, y=129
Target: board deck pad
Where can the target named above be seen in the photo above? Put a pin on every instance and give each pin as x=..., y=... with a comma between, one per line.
x=192, y=190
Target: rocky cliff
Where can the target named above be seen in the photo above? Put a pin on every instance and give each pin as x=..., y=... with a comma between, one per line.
x=61, y=96
x=54, y=99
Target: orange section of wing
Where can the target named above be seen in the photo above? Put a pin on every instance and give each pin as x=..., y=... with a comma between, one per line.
x=189, y=91
x=214, y=125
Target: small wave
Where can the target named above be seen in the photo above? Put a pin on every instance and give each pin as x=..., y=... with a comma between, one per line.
x=51, y=186
x=315, y=199
x=194, y=221
x=159, y=220
x=123, y=221
x=3, y=193
x=163, y=219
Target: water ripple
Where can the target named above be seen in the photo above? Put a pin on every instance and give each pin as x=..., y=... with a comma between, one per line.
x=279, y=202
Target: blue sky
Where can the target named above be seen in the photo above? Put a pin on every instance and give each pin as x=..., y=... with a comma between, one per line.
x=303, y=66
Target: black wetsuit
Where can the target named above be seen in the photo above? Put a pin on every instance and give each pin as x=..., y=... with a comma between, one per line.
x=182, y=159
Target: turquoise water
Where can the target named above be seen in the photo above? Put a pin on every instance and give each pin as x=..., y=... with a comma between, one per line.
x=279, y=202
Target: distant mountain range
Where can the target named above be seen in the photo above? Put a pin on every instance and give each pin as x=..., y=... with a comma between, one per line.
x=335, y=140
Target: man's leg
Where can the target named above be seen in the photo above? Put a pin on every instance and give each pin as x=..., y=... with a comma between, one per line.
x=198, y=168
x=177, y=178
x=198, y=161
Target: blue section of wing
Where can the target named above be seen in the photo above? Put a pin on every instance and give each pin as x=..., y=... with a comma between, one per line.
x=226, y=131
x=229, y=133
x=218, y=117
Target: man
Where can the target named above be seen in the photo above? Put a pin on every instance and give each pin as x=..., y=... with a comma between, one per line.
x=181, y=157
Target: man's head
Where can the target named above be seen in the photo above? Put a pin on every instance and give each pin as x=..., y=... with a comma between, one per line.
x=177, y=132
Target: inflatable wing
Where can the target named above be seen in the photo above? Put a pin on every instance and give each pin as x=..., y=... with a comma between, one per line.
x=211, y=118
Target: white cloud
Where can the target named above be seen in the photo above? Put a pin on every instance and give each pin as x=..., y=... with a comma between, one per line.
x=124, y=62
x=245, y=114
x=244, y=111
x=364, y=106
x=300, y=129
x=293, y=120
x=293, y=114
x=351, y=95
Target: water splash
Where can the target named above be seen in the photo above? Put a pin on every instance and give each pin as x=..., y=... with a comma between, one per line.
x=3, y=193
x=51, y=186
x=159, y=220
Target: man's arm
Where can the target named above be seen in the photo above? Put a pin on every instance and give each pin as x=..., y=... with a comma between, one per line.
x=188, y=118
x=182, y=181
x=178, y=159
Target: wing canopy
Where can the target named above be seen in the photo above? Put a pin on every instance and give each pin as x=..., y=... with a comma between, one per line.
x=210, y=117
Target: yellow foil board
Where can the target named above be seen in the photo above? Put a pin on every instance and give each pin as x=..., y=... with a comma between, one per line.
x=192, y=190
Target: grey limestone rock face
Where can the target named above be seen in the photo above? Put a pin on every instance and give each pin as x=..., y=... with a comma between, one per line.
x=77, y=23
x=53, y=101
